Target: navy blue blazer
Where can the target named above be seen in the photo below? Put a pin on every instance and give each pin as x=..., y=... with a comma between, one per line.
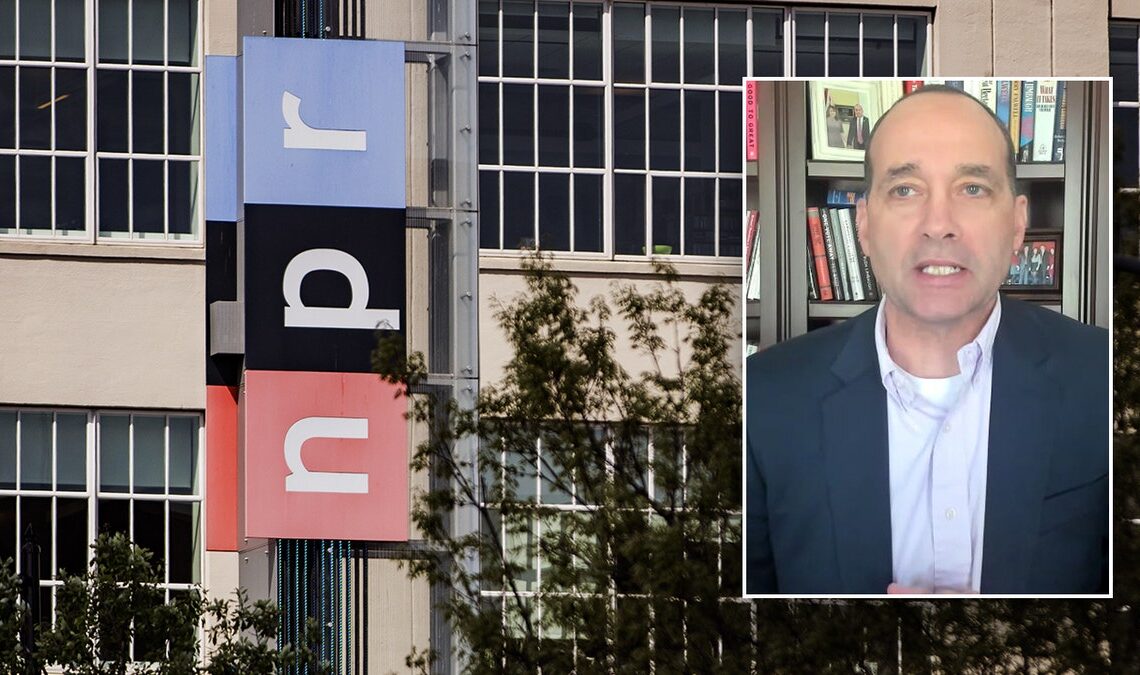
x=817, y=474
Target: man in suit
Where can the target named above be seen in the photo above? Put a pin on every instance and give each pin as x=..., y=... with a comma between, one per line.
x=859, y=130
x=948, y=440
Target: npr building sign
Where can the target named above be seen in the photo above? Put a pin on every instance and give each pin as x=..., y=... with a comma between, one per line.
x=325, y=441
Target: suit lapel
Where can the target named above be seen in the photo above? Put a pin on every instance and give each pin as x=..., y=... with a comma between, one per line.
x=1023, y=403
x=857, y=464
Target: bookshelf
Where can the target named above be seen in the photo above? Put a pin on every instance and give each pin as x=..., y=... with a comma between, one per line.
x=1067, y=201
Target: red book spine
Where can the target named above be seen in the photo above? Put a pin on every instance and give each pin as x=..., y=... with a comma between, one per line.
x=819, y=254
x=911, y=85
x=753, y=219
x=751, y=142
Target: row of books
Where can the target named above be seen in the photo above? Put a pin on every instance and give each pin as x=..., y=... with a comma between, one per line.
x=1032, y=110
x=837, y=267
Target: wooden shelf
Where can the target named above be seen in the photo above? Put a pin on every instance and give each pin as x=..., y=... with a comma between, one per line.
x=821, y=169
x=837, y=310
x=1043, y=170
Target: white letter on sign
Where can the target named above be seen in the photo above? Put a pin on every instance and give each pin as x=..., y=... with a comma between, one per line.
x=299, y=478
x=302, y=136
x=356, y=315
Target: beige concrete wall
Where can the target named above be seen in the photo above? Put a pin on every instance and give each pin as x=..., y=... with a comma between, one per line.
x=1075, y=51
x=225, y=21
x=398, y=616
x=961, y=22
x=500, y=282
x=98, y=332
x=1125, y=9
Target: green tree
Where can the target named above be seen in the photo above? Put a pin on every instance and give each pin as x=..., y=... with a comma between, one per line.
x=632, y=555
x=114, y=619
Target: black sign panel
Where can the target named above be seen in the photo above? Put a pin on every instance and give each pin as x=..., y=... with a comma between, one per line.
x=319, y=282
x=221, y=284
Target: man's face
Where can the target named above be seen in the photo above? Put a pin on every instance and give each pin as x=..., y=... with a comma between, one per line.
x=858, y=110
x=940, y=221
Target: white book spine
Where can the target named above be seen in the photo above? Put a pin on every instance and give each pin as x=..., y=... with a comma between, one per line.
x=853, y=262
x=1043, y=122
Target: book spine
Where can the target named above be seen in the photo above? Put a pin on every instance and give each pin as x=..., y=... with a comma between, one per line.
x=1028, y=111
x=1060, y=124
x=753, y=220
x=854, y=265
x=1043, y=122
x=840, y=254
x=752, y=143
x=818, y=253
x=832, y=255
x=813, y=282
x=1014, y=113
x=911, y=86
x=987, y=97
x=870, y=288
x=957, y=84
x=1002, y=109
x=843, y=197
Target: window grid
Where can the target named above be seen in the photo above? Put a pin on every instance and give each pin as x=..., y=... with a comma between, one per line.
x=1124, y=51
x=173, y=201
x=21, y=492
x=513, y=201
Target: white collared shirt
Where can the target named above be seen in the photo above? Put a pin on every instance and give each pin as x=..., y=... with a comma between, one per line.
x=938, y=433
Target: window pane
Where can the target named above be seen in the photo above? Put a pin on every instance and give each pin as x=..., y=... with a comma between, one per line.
x=70, y=193
x=664, y=129
x=587, y=212
x=666, y=221
x=7, y=107
x=184, y=455
x=489, y=209
x=35, y=512
x=35, y=193
x=184, y=543
x=666, y=26
x=700, y=216
x=69, y=33
x=518, y=38
x=71, y=535
x=629, y=129
x=147, y=113
x=554, y=211
x=113, y=31
x=1125, y=127
x=111, y=113
x=114, y=452
x=554, y=39
x=629, y=42
x=912, y=46
x=8, y=532
x=843, y=44
x=114, y=515
x=150, y=529
x=35, y=108
x=183, y=110
x=70, y=105
x=731, y=121
x=147, y=27
x=588, y=127
x=518, y=211
x=629, y=217
x=488, y=37
x=35, y=451
x=149, y=449
x=699, y=55
x=733, y=47
x=113, y=197
x=182, y=18
x=147, y=196
x=71, y=451
x=767, y=43
x=809, y=44
x=7, y=193
x=878, y=45
x=488, y=123
x=7, y=33
x=731, y=225
x=182, y=207
x=700, y=131
x=7, y=451
x=518, y=124
x=1122, y=61
x=587, y=41
x=35, y=30
x=556, y=482
x=553, y=125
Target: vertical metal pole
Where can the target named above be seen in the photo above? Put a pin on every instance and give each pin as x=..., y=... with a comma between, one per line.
x=30, y=583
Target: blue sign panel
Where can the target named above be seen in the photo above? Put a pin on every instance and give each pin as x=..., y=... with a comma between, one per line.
x=324, y=122
x=223, y=184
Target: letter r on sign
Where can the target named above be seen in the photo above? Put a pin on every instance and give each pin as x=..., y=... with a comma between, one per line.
x=299, y=478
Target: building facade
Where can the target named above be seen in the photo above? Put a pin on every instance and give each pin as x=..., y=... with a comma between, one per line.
x=605, y=132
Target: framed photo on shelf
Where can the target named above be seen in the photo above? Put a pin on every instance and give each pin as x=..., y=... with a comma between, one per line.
x=1036, y=266
x=843, y=112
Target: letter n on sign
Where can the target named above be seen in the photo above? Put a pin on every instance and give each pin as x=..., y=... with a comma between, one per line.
x=325, y=457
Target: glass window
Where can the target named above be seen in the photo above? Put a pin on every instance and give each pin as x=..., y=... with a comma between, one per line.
x=1123, y=41
x=146, y=107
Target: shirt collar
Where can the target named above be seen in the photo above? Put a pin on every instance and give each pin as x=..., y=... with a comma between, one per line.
x=972, y=356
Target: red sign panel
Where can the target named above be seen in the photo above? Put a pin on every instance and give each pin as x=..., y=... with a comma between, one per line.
x=325, y=457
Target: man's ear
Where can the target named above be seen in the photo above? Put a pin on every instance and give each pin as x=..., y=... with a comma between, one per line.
x=1020, y=220
x=861, y=221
